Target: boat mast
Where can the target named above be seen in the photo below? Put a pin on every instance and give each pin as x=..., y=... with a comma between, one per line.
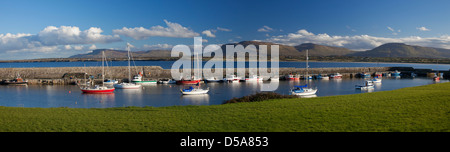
x=103, y=69
x=129, y=70
x=307, y=76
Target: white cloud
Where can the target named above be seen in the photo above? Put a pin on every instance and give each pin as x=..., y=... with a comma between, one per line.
x=157, y=47
x=265, y=29
x=67, y=47
x=92, y=47
x=423, y=28
x=357, y=42
x=394, y=32
x=223, y=29
x=62, y=35
x=54, y=36
x=78, y=47
x=172, y=30
x=208, y=33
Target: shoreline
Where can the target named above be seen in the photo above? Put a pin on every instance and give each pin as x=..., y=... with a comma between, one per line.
x=204, y=59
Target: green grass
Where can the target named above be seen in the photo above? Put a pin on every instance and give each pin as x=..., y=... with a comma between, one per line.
x=416, y=109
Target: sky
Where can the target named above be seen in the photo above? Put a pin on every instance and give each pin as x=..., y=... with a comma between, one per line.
x=61, y=28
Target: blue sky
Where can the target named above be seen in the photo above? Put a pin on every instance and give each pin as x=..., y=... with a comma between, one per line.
x=50, y=28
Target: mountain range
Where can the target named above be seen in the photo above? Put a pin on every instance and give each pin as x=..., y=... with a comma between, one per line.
x=299, y=51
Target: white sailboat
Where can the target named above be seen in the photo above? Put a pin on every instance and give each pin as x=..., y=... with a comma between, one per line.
x=191, y=90
x=125, y=85
x=304, y=90
x=367, y=85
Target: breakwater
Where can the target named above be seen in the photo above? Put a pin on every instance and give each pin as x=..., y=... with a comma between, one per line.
x=69, y=75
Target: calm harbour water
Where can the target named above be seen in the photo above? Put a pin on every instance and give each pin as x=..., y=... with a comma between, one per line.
x=160, y=95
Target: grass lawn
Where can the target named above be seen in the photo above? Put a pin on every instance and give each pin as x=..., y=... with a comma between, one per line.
x=416, y=109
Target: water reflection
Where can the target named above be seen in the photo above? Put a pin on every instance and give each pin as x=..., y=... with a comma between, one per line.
x=308, y=96
x=195, y=99
x=100, y=99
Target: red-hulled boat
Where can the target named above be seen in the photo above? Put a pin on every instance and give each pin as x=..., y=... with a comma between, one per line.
x=97, y=89
x=188, y=81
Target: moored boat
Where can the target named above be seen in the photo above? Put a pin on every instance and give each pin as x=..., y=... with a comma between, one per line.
x=276, y=78
x=128, y=85
x=97, y=88
x=303, y=90
x=336, y=76
x=191, y=90
x=167, y=81
x=232, y=78
x=16, y=81
x=110, y=82
x=213, y=79
x=376, y=80
x=253, y=78
x=187, y=81
x=367, y=85
x=138, y=80
x=395, y=74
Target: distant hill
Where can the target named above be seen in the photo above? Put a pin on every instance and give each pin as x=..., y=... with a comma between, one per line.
x=403, y=50
x=284, y=50
x=123, y=54
x=298, y=52
x=322, y=50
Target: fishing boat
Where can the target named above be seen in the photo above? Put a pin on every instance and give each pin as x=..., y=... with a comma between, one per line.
x=436, y=78
x=253, y=78
x=97, y=88
x=293, y=77
x=128, y=85
x=167, y=81
x=365, y=75
x=232, y=78
x=213, y=79
x=276, y=78
x=138, y=80
x=396, y=74
x=323, y=77
x=379, y=75
x=336, y=76
x=182, y=81
x=367, y=85
x=303, y=90
x=16, y=81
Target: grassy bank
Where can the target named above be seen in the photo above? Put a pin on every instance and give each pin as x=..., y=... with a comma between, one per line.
x=423, y=108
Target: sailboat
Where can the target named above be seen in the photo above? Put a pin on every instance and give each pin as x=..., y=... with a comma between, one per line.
x=98, y=88
x=124, y=85
x=304, y=90
x=366, y=86
x=192, y=90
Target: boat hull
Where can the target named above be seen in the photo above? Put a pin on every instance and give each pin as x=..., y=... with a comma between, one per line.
x=97, y=91
x=145, y=82
x=195, y=91
x=127, y=86
x=306, y=93
x=188, y=82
